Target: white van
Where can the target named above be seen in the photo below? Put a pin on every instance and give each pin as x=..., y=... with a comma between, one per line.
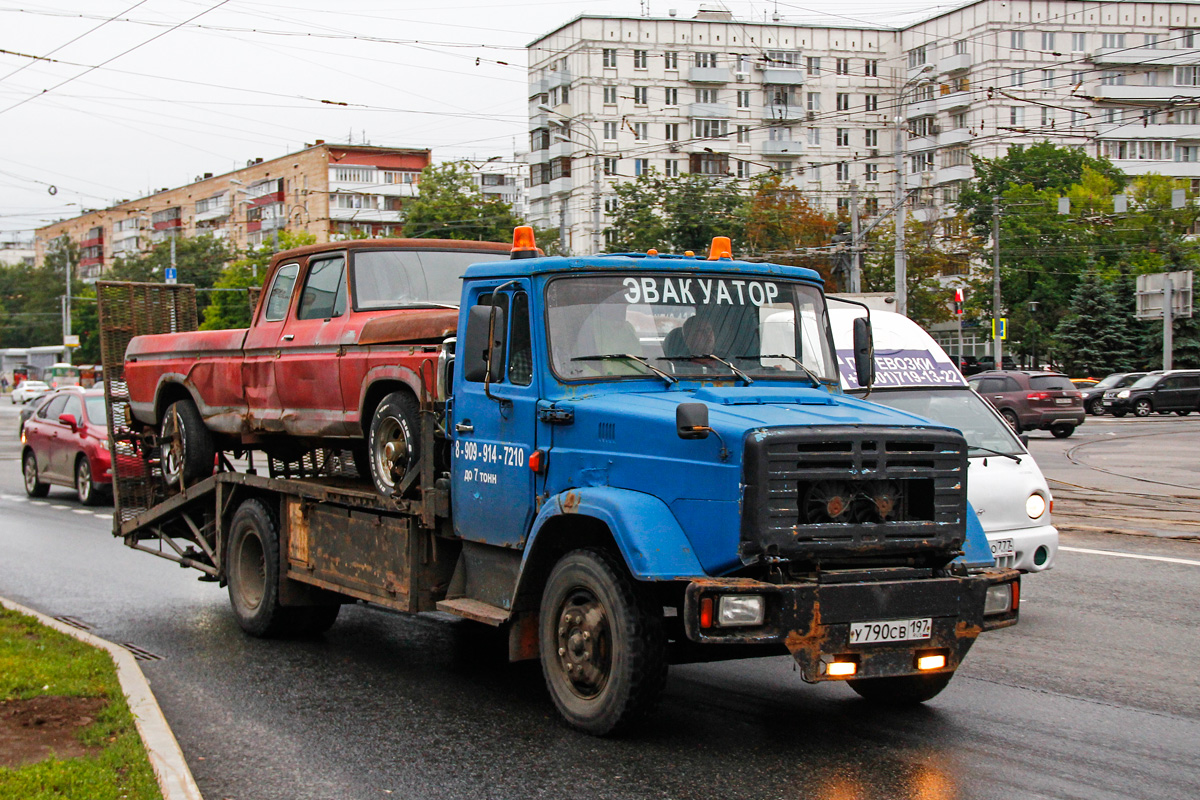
x=1004, y=485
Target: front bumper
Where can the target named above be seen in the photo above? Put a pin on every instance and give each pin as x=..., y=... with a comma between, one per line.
x=813, y=619
x=1026, y=542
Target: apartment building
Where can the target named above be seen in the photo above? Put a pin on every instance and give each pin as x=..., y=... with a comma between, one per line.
x=832, y=107
x=328, y=190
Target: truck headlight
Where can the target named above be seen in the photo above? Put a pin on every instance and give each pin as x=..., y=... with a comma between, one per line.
x=999, y=599
x=1035, y=506
x=1124, y=393
x=740, y=610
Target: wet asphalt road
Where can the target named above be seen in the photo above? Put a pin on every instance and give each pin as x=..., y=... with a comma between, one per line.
x=1096, y=694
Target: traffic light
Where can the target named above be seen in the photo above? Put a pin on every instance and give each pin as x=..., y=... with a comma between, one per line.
x=958, y=302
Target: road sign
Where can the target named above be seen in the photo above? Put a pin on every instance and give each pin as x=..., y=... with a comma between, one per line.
x=1000, y=328
x=71, y=340
x=171, y=274
x=1150, y=295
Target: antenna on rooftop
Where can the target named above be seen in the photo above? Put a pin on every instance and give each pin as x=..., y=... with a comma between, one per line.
x=645, y=8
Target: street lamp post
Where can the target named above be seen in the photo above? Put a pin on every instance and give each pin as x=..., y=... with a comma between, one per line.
x=901, y=255
x=1033, y=304
x=596, y=162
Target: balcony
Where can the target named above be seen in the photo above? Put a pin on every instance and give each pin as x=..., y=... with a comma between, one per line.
x=773, y=112
x=783, y=77
x=538, y=87
x=341, y=215
x=953, y=100
x=556, y=79
x=1153, y=94
x=955, y=63
x=398, y=189
x=1145, y=55
x=778, y=149
x=539, y=192
x=918, y=143
x=954, y=136
x=709, y=75
x=921, y=108
x=559, y=149
x=1174, y=169
x=950, y=174
x=1153, y=132
x=217, y=212
x=710, y=111
x=561, y=186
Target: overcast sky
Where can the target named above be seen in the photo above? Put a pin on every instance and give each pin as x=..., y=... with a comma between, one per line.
x=170, y=89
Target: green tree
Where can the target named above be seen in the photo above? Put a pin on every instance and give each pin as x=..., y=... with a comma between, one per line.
x=199, y=261
x=31, y=297
x=1094, y=338
x=676, y=214
x=936, y=249
x=230, y=304
x=450, y=206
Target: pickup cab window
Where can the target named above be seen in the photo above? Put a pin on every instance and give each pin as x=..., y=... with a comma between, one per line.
x=400, y=278
x=688, y=325
x=324, y=295
x=281, y=292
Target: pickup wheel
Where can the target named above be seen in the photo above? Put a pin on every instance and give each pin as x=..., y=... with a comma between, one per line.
x=185, y=445
x=603, y=649
x=906, y=690
x=392, y=444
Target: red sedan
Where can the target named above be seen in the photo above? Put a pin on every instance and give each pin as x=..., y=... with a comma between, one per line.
x=65, y=443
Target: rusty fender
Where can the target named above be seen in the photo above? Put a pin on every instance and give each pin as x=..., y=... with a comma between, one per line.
x=812, y=619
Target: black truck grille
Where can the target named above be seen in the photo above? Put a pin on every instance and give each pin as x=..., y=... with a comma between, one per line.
x=832, y=494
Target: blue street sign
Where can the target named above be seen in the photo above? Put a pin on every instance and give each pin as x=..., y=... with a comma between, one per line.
x=172, y=274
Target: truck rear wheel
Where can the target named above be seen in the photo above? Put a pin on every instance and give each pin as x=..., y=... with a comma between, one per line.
x=905, y=690
x=186, y=448
x=603, y=650
x=392, y=443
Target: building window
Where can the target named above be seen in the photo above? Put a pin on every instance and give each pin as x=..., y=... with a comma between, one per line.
x=958, y=120
x=641, y=95
x=743, y=98
x=609, y=57
x=814, y=101
x=1112, y=40
x=1016, y=116
x=1187, y=116
x=955, y=157
x=1077, y=118
x=610, y=166
x=1136, y=150
x=843, y=206
x=779, y=133
x=780, y=167
x=640, y=131
x=814, y=170
x=1016, y=77
x=706, y=60
x=1112, y=77
x=706, y=95
x=960, y=47
x=842, y=171
x=743, y=134
x=671, y=168
x=610, y=95
x=355, y=200
x=960, y=83
x=950, y=194
x=539, y=139
x=922, y=162
x=921, y=126
x=670, y=60
x=710, y=129
x=1077, y=77
x=1048, y=41
x=559, y=95
x=1018, y=40
x=781, y=95
x=843, y=101
x=871, y=102
x=560, y=168
x=842, y=66
x=354, y=174
x=785, y=59
x=1047, y=79
x=871, y=207
x=1187, y=152
x=923, y=92
x=743, y=169
x=611, y=204
x=672, y=131
x=709, y=163
x=1152, y=77
x=401, y=176
x=871, y=137
x=1047, y=117
x=814, y=136
x=814, y=65
x=1187, y=76
x=916, y=57
x=872, y=173
x=742, y=64
x=641, y=166
x=1150, y=40
x=672, y=97
x=610, y=131
x=1187, y=39
x=871, y=68
x=1078, y=42
x=842, y=137
x=639, y=59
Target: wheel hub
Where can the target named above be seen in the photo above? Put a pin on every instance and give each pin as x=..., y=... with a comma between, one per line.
x=583, y=644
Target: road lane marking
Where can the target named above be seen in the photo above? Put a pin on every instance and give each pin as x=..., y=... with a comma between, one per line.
x=80, y=511
x=1129, y=555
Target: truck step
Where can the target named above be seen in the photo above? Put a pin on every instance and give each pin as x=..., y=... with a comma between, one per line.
x=474, y=609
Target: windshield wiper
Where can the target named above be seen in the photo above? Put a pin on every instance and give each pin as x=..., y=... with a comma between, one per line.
x=669, y=378
x=716, y=358
x=1014, y=457
x=812, y=376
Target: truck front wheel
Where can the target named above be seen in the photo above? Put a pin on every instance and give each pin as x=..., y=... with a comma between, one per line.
x=392, y=443
x=185, y=445
x=905, y=690
x=603, y=650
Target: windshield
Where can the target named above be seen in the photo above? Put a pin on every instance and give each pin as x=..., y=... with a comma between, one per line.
x=691, y=326
x=1110, y=381
x=958, y=408
x=398, y=278
x=1146, y=382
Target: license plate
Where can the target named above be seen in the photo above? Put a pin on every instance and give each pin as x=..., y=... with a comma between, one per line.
x=1063, y=401
x=896, y=630
x=1002, y=547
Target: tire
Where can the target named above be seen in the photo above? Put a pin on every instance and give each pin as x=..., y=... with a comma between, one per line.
x=1142, y=408
x=1118, y=413
x=85, y=489
x=906, y=690
x=1096, y=408
x=392, y=443
x=1010, y=417
x=1062, y=430
x=1183, y=412
x=603, y=649
x=185, y=445
x=29, y=471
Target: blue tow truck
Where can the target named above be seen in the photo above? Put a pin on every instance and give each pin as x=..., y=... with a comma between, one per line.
x=617, y=472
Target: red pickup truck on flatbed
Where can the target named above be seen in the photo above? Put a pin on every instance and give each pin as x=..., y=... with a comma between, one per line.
x=342, y=343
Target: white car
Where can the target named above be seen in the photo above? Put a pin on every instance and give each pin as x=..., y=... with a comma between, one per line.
x=29, y=390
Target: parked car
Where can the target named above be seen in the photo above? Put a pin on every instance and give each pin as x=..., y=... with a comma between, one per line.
x=968, y=365
x=1093, y=397
x=1033, y=400
x=28, y=411
x=1177, y=390
x=29, y=390
x=65, y=443
x=988, y=363
x=1084, y=383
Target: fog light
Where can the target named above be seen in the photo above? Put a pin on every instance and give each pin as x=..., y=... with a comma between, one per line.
x=1035, y=506
x=937, y=661
x=1041, y=555
x=999, y=599
x=841, y=669
x=736, y=610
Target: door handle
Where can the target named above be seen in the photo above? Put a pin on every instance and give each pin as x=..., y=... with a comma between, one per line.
x=464, y=427
x=997, y=397
x=287, y=337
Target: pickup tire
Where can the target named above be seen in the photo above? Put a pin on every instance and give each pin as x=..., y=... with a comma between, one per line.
x=906, y=690
x=602, y=647
x=186, y=448
x=393, y=447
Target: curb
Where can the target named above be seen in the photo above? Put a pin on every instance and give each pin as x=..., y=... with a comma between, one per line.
x=174, y=777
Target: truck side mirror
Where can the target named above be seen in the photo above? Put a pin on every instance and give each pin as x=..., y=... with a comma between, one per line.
x=864, y=352
x=484, y=340
x=691, y=420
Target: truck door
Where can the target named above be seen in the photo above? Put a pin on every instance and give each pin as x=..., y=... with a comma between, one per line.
x=493, y=486
x=261, y=347
x=306, y=372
